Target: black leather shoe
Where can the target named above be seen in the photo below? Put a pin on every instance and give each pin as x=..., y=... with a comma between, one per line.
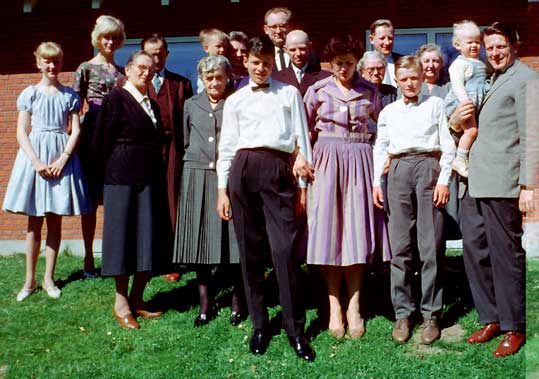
x=236, y=318
x=201, y=320
x=259, y=342
x=302, y=348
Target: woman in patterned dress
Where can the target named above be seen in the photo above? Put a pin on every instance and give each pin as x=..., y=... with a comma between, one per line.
x=94, y=79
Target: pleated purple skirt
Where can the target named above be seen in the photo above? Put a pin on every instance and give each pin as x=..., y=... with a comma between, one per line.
x=345, y=227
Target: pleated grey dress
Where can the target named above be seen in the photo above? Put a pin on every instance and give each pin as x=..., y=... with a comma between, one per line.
x=201, y=236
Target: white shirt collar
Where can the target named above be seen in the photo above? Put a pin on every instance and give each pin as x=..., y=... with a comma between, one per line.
x=129, y=87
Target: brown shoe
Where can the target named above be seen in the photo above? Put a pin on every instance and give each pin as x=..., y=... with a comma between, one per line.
x=148, y=314
x=127, y=321
x=511, y=343
x=485, y=334
x=430, y=332
x=401, y=330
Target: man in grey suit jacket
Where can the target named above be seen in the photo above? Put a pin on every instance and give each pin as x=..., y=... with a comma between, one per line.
x=503, y=170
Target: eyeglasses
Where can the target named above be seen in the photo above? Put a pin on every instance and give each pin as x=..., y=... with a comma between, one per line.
x=143, y=68
x=371, y=70
x=278, y=26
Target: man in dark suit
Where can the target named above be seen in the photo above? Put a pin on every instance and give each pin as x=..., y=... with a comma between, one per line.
x=300, y=74
x=170, y=91
x=492, y=208
x=382, y=38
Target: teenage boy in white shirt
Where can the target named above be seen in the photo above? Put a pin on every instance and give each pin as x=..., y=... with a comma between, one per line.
x=413, y=134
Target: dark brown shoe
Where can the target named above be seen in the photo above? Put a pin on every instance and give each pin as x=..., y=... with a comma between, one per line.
x=430, y=332
x=401, y=330
x=511, y=344
x=485, y=334
x=127, y=321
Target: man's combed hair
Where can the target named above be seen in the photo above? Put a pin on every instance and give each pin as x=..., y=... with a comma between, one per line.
x=260, y=46
x=504, y=30
x=409, y=61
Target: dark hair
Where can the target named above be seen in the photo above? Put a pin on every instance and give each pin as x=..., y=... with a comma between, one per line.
x=503, y=29
x=153, y=39
x=342, y=45
x=260, y=46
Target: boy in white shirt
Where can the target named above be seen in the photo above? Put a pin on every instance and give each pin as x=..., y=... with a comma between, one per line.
x=413, y=134
x=263, y=123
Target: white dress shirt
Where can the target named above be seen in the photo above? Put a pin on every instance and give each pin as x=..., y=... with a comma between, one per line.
x=143, y=100
x=389, y=77
x=273, y=118
x=414, y=127
x=278, y=59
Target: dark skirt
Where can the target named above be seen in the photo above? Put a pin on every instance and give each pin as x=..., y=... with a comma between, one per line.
x=201, y=236
x=133, y=230
x=95, y=187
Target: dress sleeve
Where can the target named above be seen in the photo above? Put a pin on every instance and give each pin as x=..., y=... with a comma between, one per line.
x=74, y=102
x=25, y=99
x=81, y=81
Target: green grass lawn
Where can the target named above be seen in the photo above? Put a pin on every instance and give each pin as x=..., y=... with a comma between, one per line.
x=77, y=337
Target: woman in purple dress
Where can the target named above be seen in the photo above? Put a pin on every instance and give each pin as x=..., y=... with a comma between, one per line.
x=94, y=80
x=345, y=229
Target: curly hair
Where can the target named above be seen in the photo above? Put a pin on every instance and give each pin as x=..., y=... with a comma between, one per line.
x=342, y=45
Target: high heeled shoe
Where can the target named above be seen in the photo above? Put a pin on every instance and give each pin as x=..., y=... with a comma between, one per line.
x=201, y=320
x=127, y=321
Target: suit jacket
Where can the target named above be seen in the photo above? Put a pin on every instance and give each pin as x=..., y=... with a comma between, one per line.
x=201, y=130
x=504, y=155
x=311, y=76
x=171, y=98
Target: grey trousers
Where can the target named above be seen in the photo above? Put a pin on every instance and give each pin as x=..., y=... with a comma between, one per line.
x=414, y=219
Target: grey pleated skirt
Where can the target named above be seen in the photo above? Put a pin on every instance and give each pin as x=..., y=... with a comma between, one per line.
x=201, y=236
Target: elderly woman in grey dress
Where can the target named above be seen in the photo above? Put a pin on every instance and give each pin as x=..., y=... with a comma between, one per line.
x=202, y=238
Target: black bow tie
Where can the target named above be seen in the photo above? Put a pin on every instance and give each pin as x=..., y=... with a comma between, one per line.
x=259, y=87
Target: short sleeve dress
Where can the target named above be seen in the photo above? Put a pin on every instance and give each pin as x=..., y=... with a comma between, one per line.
x=92, y=82
x=28, y=192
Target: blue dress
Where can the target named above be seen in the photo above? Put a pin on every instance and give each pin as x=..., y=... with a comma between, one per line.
x=28, y=192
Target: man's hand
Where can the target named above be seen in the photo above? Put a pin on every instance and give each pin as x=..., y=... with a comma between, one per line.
x=378, y=197
x=441, y=195
x=223, y=205
x=303, y=168
x=462, y=115
x=525, y=201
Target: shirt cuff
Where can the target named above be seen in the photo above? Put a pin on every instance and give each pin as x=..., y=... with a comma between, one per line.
x=222, y=181
x=302, y=183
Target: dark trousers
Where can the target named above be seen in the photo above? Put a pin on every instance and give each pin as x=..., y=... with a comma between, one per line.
x=415, y=221
x=494, y=260
x=262, y=192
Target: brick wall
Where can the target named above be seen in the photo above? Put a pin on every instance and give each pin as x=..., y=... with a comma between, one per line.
x=13, y=227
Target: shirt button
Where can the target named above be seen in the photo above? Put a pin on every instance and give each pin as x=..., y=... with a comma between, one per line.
x=210, y=139
x=211, y=115
x=210, y=165
x=343, y=108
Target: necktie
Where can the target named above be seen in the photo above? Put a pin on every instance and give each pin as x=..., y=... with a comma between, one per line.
x=281, y=59
x=156, y=81
x=299, y=75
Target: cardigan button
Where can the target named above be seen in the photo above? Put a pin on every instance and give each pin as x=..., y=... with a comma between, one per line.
x=211, y=115
x=210, y=165
x=210, y=139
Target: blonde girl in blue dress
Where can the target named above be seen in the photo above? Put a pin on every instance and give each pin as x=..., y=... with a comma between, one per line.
x=46, y=181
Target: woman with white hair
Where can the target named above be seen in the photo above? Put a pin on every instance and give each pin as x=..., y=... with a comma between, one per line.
x=94, y=79
x=372, y=67
x=202, y=238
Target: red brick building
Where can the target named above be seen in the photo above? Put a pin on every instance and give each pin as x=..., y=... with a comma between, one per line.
x=26, y=23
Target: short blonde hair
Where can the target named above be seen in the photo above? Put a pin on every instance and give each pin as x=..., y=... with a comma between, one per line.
x=48, y=50
x=429, y=48
x=459, y=27
x=107, y=25
x=407, y=62
x=206, y=35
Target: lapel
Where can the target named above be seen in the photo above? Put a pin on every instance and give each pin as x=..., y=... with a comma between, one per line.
x=137, y=108
x=352, y=94
x=503, y=78
x=203, y=102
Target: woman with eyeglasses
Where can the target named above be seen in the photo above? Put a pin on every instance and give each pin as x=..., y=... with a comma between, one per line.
x=127, y=151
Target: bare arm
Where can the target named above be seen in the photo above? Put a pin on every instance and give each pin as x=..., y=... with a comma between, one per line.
x=23, y=127
x=58, y=165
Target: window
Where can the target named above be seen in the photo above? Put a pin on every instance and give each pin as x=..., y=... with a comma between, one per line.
x=183, y=57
